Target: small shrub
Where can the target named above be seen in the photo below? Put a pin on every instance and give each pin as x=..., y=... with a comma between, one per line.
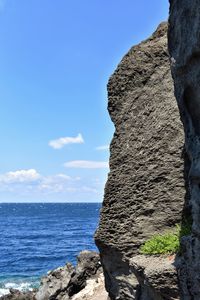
x=167, y=243
x=161, y=244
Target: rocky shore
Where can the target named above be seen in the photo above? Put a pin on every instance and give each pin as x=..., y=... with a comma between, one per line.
x=83, y=282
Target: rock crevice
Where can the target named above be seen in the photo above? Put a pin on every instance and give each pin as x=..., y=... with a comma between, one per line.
x=184, y=49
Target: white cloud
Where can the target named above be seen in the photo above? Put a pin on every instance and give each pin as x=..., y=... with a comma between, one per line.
x=89, y=190
x=86, y=164
x=102, y=148
x=30, y=181
x=55, y=183
x=57, y=177
x=26, y=185
x=61, y=142
x=20, y=176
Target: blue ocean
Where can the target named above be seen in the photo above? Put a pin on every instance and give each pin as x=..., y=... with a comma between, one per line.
x=37, y=237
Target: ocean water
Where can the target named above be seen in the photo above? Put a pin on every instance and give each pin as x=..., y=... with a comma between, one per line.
x=37, y=237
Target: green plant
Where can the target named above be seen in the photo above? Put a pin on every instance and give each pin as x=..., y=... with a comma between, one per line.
x=167, y=243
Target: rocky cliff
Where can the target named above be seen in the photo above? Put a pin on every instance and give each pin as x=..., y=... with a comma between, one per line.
x=184, y=48
x=145, y=191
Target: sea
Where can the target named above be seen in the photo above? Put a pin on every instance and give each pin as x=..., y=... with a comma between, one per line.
x=38, y=237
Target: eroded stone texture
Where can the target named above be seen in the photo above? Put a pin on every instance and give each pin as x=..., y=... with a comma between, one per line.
x=145, y=190
x=184, y=48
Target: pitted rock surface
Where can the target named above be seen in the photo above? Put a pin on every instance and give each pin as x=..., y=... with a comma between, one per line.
x=145, y=190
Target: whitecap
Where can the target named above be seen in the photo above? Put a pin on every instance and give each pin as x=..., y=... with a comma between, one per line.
x=22, y=286
x=4, y=292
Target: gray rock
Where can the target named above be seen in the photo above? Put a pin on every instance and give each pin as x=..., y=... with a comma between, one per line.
x=94, y=290
x=184, y=48
x=85, y=282
x=145, y=191
x=88, y=266
x=157, y=276
x=17, y=295
x=55, y=282
x=65, y=282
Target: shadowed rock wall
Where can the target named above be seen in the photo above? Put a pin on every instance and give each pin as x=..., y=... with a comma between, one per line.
x=145, y=190
x=184, y=48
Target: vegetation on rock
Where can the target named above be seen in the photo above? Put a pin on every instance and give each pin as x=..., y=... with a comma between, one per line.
x=167, y=243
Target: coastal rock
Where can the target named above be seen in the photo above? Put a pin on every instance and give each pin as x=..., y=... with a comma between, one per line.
x=55, y=282
x=85, y=282
x=94, y=290
x=88, y=266
x=184, y=49
x=17, y=295
x=157, y=276
x=69, y=283
x=145, y=191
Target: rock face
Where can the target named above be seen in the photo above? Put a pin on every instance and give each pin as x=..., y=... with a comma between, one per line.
x=157, y=275
x=145, y=190
x=184, y=48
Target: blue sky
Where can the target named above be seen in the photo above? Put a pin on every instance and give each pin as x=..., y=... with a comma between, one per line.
x=55, y=60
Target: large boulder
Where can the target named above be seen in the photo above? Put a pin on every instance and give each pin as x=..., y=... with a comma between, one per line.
x=145, y=190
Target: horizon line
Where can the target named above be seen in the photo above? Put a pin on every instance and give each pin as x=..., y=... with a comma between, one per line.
x=48, y=202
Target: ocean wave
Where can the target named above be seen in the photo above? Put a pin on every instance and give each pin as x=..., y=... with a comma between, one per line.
x=21, y=286
x=3, y=292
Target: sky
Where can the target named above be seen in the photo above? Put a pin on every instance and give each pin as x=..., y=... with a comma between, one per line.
x=55, y=60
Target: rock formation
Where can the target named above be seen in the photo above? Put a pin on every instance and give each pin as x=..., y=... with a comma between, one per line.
x=55, y=282
x=85, y=282
x=184, y=48
x=17, y=295
x=145, y=191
